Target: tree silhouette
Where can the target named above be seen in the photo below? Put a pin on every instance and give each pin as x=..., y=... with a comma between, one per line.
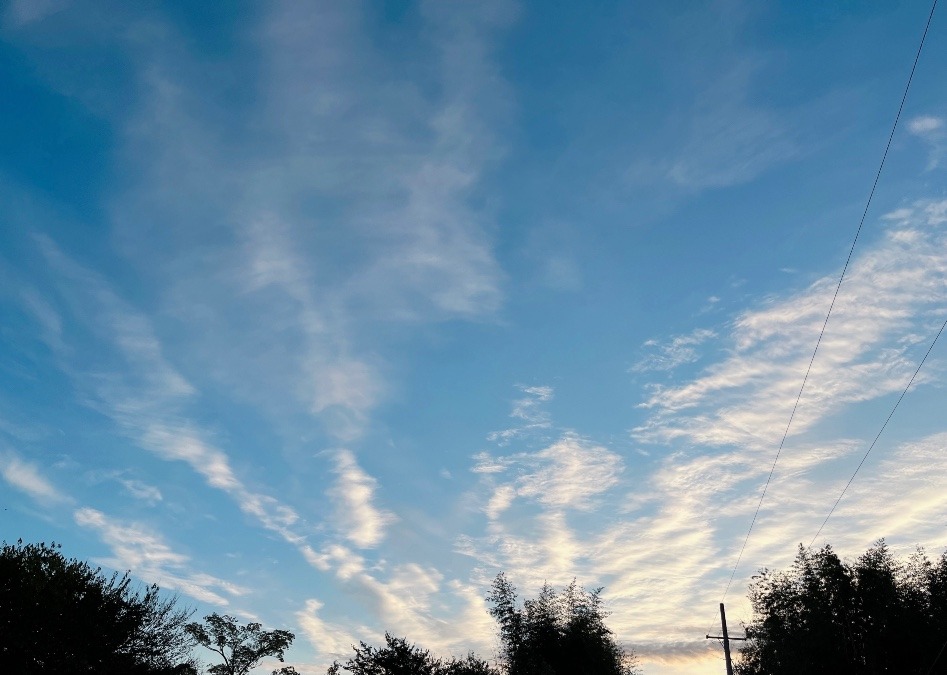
x=556, y=633
x=240, y=647
x=63, y=616
x=398, y=657
x=876, y=615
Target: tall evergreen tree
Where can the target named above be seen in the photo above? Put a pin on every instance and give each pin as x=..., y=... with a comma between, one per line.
x=877, y=615
x=556, y=633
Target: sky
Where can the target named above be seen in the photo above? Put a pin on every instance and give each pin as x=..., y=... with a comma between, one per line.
x=322, y=314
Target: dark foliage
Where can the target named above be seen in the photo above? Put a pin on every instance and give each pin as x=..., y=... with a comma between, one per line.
x=876, y=615
x=64, y=616
x=556, y=633
x=398, y=657
x=240, y=647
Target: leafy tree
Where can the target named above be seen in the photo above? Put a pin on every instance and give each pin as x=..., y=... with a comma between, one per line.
x=240, y=647
x=556, y=633
x=875, y=615
x=61, y=615
x=398, y=657
x=469, y=665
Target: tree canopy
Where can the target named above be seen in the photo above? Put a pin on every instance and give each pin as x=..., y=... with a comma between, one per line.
x=556, y=633
x=61, y=615
x=398, y=657
x=876, y=615
x=240, y=646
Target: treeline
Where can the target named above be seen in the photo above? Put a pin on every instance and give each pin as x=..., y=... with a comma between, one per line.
x=61, y=616
x=64, y=616
x=557, y=633
x=878, y=614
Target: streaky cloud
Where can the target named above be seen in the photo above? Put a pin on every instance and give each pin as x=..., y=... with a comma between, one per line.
x=27, y=478
x=147, y=555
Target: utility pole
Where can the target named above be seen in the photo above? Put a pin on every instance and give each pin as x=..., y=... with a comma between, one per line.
x=726, y=639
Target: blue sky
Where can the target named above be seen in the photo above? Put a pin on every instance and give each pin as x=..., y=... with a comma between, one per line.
x=325, y=313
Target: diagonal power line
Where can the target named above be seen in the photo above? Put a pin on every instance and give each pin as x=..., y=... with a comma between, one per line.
x=880, y=431
x=828, y=314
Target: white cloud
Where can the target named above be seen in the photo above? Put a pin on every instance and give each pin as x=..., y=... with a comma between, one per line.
x=899, y=498
x=529, y=412
x=395, y=159
x=132, y=545
x=141, y=490
x=724, y=425
x=528, y=409
x=26, y=477
x=46, y=316
x=446, y=616
x=359, y=520
x=868, y=349
x=284, y=313
x=899, y=214
x=127, y=331
x=147, y=556
x=184, y=444
x=21, y=13
x=500, y=501
x=332, y=641
x=569, y=473
x=449, y=616
x=931, y=130
x=925, y=124
x=726, y=139
x=663, y=541
x=144, y=394
x=679, y=350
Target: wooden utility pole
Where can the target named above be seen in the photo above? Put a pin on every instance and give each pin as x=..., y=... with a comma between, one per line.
x=726, y=639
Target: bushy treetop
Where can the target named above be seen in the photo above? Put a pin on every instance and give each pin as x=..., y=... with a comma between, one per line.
x=60, y=615
x=875, y=615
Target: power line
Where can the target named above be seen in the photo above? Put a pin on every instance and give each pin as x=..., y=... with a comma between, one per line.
x=838, y=287
x=936, y=658
x=880, y=431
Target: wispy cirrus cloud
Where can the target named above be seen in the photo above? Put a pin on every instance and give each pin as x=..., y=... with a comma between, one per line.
x=277, y=238
x=134, y=547
x=570, y=511
x=134, y=487
x=722, y=426
x=569, y=473
x=148, y=556
x=529, y=413
x=26, y=477
x=144, y=394
x=359, y=520
x=679, y=350
x=931, y=129
x=331, y=640
x=662, y=539
x=349, y=204
x=419, y=599
x=729, y=136
x=868, y=350
x=19, y=13
x=141, y=490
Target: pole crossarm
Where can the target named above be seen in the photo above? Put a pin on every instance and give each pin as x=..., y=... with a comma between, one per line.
x=721, y=637
x=726, y=639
